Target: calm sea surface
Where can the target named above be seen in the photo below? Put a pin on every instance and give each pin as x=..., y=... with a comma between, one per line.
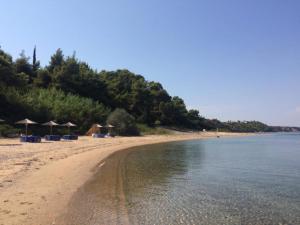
x=245, y=180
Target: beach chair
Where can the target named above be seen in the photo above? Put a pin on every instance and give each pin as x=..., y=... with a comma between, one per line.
x=97, y=135
x=31, y=139
x=70, y=137
x=109, y=135
x=52, y=137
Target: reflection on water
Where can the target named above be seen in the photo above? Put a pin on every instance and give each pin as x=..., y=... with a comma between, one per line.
x=249, y=180
x=252, y=180
x=156, y=165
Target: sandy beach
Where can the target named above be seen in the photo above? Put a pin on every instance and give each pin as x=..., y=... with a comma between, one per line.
x=37, y=181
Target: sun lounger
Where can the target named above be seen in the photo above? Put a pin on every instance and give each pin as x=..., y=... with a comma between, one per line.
x=108, y=135
x=31, y=139
x=70, y=137
x=52, y=137
x=98, y=135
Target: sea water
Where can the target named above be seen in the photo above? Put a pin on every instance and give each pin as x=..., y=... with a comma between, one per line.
x=243, y=180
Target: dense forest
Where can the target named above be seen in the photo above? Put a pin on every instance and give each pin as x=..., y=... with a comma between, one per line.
x=68, y=89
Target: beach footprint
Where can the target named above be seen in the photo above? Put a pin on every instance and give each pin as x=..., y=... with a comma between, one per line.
x=26, y=203
x=44, y=198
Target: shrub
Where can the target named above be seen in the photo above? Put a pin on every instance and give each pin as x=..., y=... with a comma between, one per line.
x=7, y=130
x=147, y=130
x=42, y=105
x=124, y=123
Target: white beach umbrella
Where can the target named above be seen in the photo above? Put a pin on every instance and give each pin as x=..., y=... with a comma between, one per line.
x=26, y=122
x=50, y=124
x=69, y=125
x=99, y=126
x=109, y=126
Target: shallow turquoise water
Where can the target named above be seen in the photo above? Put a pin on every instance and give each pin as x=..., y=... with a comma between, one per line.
x=245, y=180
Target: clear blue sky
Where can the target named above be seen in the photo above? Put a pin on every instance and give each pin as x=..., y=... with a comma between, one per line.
x=231, y=59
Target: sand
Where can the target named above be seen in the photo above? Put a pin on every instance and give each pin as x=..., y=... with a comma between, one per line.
x=37, y=181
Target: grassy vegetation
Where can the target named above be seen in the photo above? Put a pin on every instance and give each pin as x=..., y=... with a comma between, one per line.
x=146, y=130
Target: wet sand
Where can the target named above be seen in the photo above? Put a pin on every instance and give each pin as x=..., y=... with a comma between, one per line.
x=101, y=200
x=37, y=181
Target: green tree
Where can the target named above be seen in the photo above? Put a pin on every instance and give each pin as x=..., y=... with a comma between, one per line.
x=56, y=61
x=124, y=123
x=22, y=65
x=35, y=62
x=7, y=73
x=43, y=78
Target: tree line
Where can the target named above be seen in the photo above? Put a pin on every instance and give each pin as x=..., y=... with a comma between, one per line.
x=69, y=89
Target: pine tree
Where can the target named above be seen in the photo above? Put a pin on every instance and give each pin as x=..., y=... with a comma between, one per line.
x=35, y=63
x=34, y=56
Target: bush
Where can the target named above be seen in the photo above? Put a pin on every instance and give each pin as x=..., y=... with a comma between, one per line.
x=124, y=123
x=42, y=105
x=146, y=130
x=7, y=130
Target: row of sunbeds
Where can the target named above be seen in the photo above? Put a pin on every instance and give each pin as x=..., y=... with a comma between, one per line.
x=38, y=139
x=70, y=137
x=51, y=137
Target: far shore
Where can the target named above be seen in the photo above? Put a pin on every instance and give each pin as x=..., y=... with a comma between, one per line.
x=38, y=180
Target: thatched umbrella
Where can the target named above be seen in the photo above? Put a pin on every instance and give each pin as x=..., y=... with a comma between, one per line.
x=99, y=126
x=50, y=124
x=26, y=122
x=110, y=127
x=69, y=125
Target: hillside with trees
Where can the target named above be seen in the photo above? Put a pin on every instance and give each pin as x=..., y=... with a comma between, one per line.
x=68, y=89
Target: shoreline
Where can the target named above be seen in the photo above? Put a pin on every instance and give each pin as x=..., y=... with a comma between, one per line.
x=37, y=181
